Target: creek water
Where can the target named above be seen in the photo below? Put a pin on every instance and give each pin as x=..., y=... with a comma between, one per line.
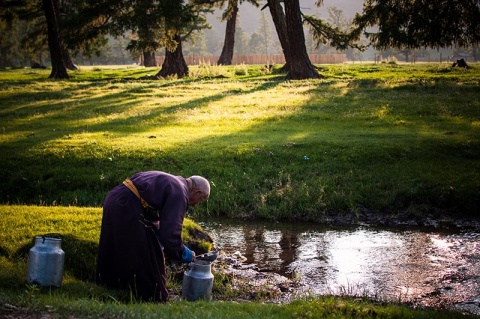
x=421, y=267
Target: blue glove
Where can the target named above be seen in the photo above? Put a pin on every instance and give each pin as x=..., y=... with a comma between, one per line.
x=187, y=255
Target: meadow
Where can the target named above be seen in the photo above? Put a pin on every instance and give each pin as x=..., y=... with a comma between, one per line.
x=393, y=141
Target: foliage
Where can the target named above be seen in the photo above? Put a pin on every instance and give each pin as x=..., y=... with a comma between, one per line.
x=387, y=138
x=325, y=33
x=421, y=23
x=156, y=23
x=341, y=36
x=22, y=36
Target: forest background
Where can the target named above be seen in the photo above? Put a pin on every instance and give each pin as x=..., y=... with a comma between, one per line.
x=255, y=34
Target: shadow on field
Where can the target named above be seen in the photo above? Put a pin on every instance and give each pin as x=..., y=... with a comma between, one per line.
x=344, y=141
x=25, y=175
x=61, y=118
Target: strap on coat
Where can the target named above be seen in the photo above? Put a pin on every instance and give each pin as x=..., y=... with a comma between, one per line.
x=134, y=190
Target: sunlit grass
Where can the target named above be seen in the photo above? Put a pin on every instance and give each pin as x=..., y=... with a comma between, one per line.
x=382, y=137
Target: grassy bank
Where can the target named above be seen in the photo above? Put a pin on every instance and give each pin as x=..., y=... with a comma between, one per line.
x=391, y=139
x=79, y=229
x=79, y=297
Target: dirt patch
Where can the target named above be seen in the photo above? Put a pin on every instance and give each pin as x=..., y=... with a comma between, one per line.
x=253, y=283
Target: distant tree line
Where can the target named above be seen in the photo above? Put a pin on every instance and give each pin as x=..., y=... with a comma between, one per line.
x=123, y=30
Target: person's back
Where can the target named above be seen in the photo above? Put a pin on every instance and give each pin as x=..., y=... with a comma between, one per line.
x=130, y=255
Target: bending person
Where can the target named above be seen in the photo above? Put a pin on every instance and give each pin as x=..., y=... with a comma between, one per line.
x=142, y=220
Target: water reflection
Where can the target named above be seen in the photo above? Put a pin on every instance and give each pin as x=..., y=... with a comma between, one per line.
x=400, y=265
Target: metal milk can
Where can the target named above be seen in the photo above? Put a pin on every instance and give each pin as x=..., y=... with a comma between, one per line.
x=198, y=279
x=45, y=262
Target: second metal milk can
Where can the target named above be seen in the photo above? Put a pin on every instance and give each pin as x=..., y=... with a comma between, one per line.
x=198, y=279
x=45, y=262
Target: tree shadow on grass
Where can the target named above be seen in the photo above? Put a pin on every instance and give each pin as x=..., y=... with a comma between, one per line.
x=342, y=128
x=67, y=114
x=56, y=124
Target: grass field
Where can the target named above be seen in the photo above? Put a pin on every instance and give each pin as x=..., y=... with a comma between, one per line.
x=393, y=139
x=387, y=138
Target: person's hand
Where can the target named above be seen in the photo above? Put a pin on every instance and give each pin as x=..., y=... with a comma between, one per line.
x=187, y=255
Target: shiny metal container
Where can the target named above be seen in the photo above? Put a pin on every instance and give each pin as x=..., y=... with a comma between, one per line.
x=198, y=281
x=45, y=262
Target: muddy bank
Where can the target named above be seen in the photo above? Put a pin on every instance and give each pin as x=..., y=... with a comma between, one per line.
x=236, y=280
x=251, y=283
x=413, y=217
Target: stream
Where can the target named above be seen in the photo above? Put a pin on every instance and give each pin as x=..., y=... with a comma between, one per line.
x=428, y=268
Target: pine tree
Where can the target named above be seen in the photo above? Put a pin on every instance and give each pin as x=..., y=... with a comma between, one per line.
x=300, y=65
x=411, y=24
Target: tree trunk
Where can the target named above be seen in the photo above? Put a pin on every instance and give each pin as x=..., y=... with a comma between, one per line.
x=228, y=45
x=174, y=63
x=59, y=71
x=300, y=65
x=280, y=22
x=149, y=59
x=68, y=60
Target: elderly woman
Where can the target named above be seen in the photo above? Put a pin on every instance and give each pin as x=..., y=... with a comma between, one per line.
x=142, y=220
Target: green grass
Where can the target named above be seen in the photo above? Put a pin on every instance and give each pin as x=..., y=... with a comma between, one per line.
x=385, y=138
x=325, y=307
x=79, y=229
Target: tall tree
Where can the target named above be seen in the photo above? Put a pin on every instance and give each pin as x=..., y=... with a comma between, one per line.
x=76, y=25
x=230, y=15
x=289, y=26
x=415, y=24
x=147, y=19
x=300, y=65
x=160, y=24
x=59, y=69
x=174, y=63
x=84, y=26
x=181, y=20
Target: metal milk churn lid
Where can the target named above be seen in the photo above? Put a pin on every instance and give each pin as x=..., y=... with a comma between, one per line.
x=45, y=262
x=198, y=279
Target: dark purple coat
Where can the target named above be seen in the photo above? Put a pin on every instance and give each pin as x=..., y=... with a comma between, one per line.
x=129, y=253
